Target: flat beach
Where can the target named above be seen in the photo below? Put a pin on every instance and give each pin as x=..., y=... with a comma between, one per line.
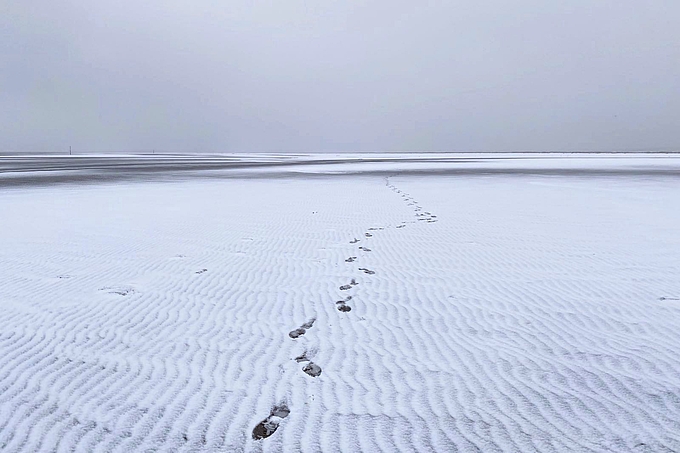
x=355, y=302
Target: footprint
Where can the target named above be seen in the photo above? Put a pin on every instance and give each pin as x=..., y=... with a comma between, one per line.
x=354, y=241
x=347, y=299
x=302, y=329
x=312, y=369
x=297, y=333
x=367, y=271
x=342, y=304
x=269, y=425
x=119, y=290
x=201, y=271
x=365, y=249
x=401, y=226
x=351, y=259
x=368, y=235
x=345, y=287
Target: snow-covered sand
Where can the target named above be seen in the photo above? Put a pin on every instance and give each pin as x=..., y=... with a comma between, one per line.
x=430, y=304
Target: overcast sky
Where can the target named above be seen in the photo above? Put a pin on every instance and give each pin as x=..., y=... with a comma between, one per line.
x=339, y=75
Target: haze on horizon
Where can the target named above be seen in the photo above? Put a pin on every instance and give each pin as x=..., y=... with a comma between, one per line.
x=306, y=76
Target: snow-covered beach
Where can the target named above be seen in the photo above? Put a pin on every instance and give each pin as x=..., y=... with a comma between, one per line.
x=340, y=303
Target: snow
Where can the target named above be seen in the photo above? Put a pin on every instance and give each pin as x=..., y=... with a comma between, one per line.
x=495, y=304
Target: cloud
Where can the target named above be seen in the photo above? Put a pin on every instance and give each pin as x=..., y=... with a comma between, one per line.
x=339, y=76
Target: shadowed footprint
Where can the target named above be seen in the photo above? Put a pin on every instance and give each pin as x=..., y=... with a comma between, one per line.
x=401, y=226
x=354, y=241
x=368, y=235
x=365, y=249
x=269, y=425
x=367, y=271
x=312, y=369
x=345, y=287
x=201, y=271
x=351, y=259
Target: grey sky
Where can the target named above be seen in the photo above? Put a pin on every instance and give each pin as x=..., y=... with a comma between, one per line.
x=305, y=75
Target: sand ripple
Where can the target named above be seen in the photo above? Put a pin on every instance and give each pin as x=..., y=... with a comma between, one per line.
x=482, y=314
